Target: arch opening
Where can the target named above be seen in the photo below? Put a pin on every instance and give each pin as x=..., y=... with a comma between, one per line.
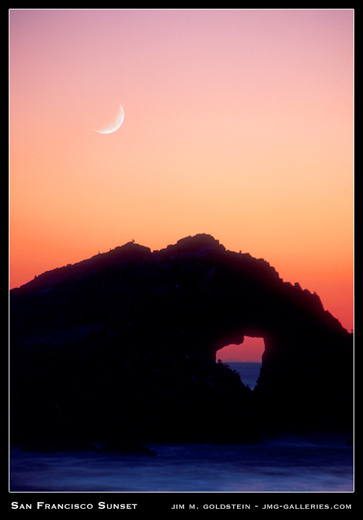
x=245, y=358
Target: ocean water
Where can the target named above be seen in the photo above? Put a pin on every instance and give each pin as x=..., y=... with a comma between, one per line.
x=315, y=462
x=249, y=371
x=296, y=463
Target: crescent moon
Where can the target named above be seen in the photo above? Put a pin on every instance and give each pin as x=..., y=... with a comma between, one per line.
x=115, y=124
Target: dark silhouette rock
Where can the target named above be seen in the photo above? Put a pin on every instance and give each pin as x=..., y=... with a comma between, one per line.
x=122, y=347
x=128, y=448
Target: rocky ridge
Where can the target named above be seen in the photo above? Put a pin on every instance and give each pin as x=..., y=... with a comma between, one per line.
x=123, y=347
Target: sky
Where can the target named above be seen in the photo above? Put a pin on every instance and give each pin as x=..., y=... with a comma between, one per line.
x=238, y=123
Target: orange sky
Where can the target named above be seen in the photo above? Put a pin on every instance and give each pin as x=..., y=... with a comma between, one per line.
x=238, y=123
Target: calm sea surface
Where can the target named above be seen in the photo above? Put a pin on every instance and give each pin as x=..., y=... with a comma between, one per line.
x=249, y=372
x=307, y=462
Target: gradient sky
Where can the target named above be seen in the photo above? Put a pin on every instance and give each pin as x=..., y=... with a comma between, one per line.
x=238, y=123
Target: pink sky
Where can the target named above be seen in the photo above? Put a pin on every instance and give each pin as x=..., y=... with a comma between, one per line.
x=238, y=123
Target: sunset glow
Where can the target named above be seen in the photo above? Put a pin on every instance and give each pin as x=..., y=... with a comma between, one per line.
x=238, y=123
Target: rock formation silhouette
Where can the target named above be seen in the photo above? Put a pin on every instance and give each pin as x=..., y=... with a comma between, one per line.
x=122, y=347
